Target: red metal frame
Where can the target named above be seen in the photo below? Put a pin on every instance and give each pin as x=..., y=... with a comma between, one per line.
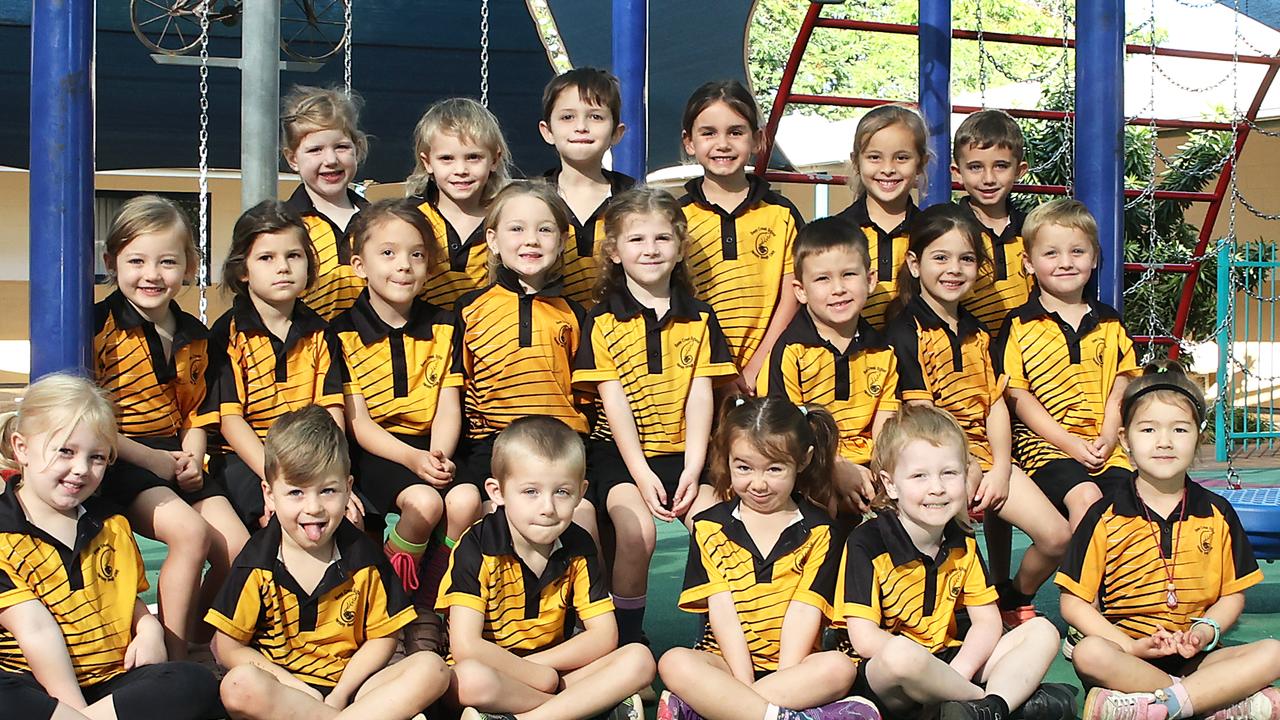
x=813, y=20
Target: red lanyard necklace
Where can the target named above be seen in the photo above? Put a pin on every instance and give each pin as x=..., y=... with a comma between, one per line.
x=1171, y=590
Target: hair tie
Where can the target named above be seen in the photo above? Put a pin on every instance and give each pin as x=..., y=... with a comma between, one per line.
x=739, y=401
x=1162, y=369
x=803, y=410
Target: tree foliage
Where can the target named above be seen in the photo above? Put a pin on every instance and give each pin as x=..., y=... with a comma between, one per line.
x=867, y=64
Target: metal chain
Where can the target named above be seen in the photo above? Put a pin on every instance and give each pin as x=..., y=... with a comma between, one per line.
x=1049, y=68
x=346, y=45
x=1187, y=88
x=202, y=275
x=1066, y=77
x=484, y=53
x=1255, y=127
x=1235, y=193
x=982, y=54
x=1153, y=235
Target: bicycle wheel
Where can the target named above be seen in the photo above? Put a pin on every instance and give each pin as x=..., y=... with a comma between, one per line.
x=171, y=27
x=312, y=30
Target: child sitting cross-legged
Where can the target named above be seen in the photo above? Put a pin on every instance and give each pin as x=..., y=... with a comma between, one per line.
x=308, y=620
x=908, y=573
x=515, y=580
x=1157, y=571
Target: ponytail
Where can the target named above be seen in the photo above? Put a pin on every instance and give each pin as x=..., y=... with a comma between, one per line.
x=817, y=480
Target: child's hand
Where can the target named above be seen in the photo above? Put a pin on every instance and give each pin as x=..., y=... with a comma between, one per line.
x=855, y=485
x=355, y=510
x=1084, y=452
x=189, y=475
x=744, y=385
x=146, y=648
x=655, y=496
x=1191, y=643
x=163, y=464
x=993, y=489
x=1161, y=643
x=428, y=465
x=686, y=491
x=1105, y=445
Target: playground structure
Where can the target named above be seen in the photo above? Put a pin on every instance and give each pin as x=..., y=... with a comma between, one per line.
x=62, y=170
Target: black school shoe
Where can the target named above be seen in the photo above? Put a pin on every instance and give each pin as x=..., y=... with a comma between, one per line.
x=988, y=708
x=1050, y=701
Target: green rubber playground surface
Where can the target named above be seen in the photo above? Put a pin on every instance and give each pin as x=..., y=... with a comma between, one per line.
x=668, y=627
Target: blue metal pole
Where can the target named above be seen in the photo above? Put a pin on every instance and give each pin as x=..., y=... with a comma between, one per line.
x=61, y=205
x=631, y=65
x=935, y=95
x=1099, y=156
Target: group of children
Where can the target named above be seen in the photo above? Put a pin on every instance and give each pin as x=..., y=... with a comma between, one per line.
x=527, y=375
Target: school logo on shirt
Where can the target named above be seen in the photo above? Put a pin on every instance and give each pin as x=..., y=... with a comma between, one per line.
x=955, y=583
x=195, y=367
x=347, y=608
x=686, y=352
x=1099, y=349
x=563, y=334
x=104, y=559
x=760, y=240
x=431, y=371
x=1206, y=540
x=875, y=381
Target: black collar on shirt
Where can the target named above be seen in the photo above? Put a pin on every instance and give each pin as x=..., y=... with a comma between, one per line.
x=13, y=519
x=804, y=330
x=303, y=322
x=372, y=328
x=966, y=322
x=300, y=202
x=1099, y=312
x=188, y=330
x=509, y=281
x=495, y=541
x=792, y=537
x=757, y=191
x=457, y=250
x=623, y=305
x=584, y=232
x=857, y=214
x=1126, y=501
x=1011, y=232
x=902, y=550
x=355, y=551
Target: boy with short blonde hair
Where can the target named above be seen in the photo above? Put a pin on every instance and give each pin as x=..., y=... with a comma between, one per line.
x=509, y=640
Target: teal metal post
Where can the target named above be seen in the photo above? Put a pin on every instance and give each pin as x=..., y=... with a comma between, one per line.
x=1225, y=399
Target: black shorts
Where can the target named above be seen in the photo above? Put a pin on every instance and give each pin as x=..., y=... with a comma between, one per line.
x=124, y=482
x=1058, y=477
x=474, y=460
x=167, y=691
x=244, y=488
x=380, y=481
x=606, y=470
x=861, y=686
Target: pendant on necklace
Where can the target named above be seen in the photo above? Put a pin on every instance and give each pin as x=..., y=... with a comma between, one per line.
x=1171, y=598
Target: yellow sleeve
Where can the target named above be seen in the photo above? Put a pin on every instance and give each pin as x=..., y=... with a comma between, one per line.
x=384, y=612
x=238, y=606
x=590, y=588
x=978, y=589
x=462, y=584
x=816, y=584
x=857, y=587
x=889, y=388
x=1081, y=570
x=702, y=576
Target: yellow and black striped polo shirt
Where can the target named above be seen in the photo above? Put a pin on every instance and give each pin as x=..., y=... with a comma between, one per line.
x=261, y=377
x=311, y=634
x=1004, y=285
x=581, y=268
x=91, y=589
x=1070, y=371
x=801, y=567
x=738, y=259
x=1113, y=559
x=952, y=370
x=337, y=285
x=524, y=612
x=854, y=384
x=398, y=371
x=465, y=263
x=887, y=251
x=515, y=350
x=884, y=578
x=656, y=360
x=155, y=396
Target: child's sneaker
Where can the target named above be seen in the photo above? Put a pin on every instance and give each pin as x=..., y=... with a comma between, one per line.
x=629, y=709
x=1050, y=701
x=853, y=707
x=1262, y=705
x=988, y=708
x=671, y=707
x=1103, y=704
x=474, y=714
x=435, y=563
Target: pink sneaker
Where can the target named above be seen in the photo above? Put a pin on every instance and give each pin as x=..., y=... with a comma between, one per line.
x=1262, y=705
x=1103, y=704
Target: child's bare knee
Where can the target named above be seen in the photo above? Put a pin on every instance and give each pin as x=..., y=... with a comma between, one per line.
x=428, y=670
x=245, y=689
x=1269, y=652
x=188, y=532
x=1091, y=655
x=637, y=662
x=675, y=665
x=478, y=685
x=903, y=658
x=834, y=666
x=423, y=502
